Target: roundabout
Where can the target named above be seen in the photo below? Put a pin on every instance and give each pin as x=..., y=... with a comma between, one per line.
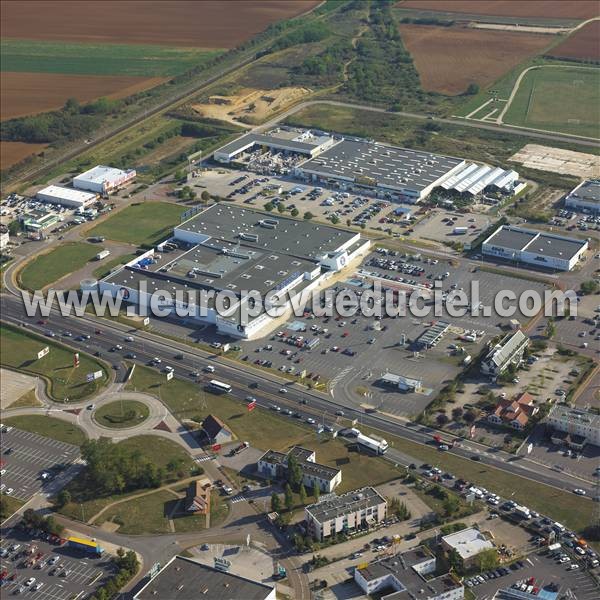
x=121, y=414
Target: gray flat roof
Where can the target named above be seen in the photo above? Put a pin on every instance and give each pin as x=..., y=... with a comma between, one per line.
x=337, y=506
x=401, y=566
x=515, y=239
x=236, y=146
x=287, y=236
x=389, y=166
x=184, y=579
x=588, y=191
x=301, y=454
x=537, y=242
x=555, y=247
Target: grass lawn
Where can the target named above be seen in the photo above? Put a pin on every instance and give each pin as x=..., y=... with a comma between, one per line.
x=146, y=514
x=8, y=506
x=50, y=267
x=36, y=56
x=263, y=429
x=141, y=223
x=27, y=399
x=539, y=102
x=18, y=349
x=565, y=507
x=119, y=415
x=158, y=450
x=106, y=267
x=48, y=427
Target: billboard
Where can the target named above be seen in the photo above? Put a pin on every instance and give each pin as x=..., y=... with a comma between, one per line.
x=93, y=376
x=43, y=352
x=169, y=375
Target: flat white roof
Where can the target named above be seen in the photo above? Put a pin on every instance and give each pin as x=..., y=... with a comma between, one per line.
x=468, y=542
x=100, y=174
x=67, y=193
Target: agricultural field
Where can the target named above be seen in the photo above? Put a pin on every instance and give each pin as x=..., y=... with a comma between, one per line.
x=207, y=24
x=574, y=9
x=31, y=93
x=13, y=152
x=142, y=223
x=582, y=45
x=448, y=59
x=50, y=267
x=99, y=59
x=540, y=100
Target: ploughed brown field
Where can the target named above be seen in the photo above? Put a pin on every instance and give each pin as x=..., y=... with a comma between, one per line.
x=203, y=24
x=13, y=152
x=31, y=93
x=448, y=59
x=558, y=9
x=582, y=44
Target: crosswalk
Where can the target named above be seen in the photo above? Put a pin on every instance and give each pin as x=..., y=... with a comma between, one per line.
x=238, y=498
x=340, y=376
x=203, y=458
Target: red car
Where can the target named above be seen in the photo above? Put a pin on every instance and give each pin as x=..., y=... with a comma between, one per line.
x=98, y=331
x=42, y=322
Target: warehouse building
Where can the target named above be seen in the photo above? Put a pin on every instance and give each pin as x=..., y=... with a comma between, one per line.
x=359, y=509
x=183, y=579
x=574, y=427
x=407, y=175
x=273, y=465
x=538, y=248
x=468, y=544
x=585, y=197
x=55, y=194
x=409, y=574
x=282, y=139
x=232, y=249
x=367, y=166
x=103, y=180
x=509, y=351
x=38, y=220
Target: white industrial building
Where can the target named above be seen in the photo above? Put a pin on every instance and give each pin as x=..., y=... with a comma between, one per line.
x=103, y=180
x=231, y=249
x=55, y=194
x=580, y=427
x=353, y=510
x=509, y=351
x=366, y=166
x=409, y=574
x=585, y=197
x=467, y=543
x=534, y=247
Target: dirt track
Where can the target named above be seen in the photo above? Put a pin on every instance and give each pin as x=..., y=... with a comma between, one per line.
x=448, y=59
x=201, y=24
x=572, y=9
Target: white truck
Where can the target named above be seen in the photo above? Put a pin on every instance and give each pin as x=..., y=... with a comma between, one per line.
x=102, y=254
x=377, y=446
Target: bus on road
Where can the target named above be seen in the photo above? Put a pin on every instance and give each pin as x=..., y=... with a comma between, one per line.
x=219, y=387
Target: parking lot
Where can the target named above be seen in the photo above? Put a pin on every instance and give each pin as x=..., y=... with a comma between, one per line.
x=440, y=226
x=542, y=572
x=27, y=457
x=59, y=572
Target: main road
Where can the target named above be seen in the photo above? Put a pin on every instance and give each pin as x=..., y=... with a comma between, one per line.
x=247, y=380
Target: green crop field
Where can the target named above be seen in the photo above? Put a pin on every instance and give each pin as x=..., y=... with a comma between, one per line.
x=49, y=268
x=18, y=350
x=143, y=223
x=105, y=59
x=563, y=99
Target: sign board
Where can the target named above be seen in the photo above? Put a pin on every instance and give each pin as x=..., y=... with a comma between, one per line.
x=222, y=564
x=251, y=405
x=472, y=431
x=302, y=374
x=43, y=352
x=247, y=539
x=93, y=376
x=169, y=375
x=146, y=321
x=215, y=447
x=225, y=347
x=529, y=448
x=76, y=359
